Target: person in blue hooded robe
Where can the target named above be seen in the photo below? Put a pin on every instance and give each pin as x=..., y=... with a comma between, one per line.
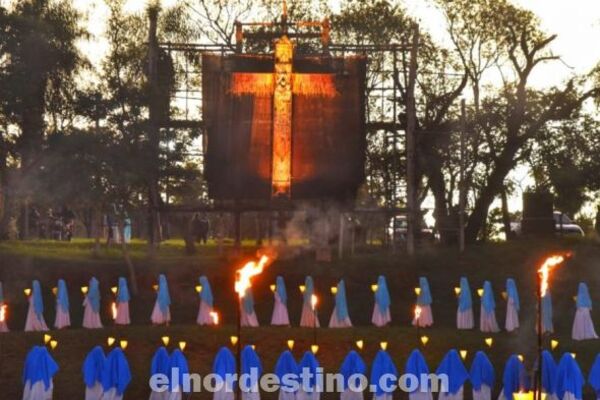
x=453, y=367
x=417, y=366
x=3, y=308
x=547, y=317
x=308, y=318
x=247, y=313
x=594, y=377
x=92, y=373
x=310, y=373
x=382, y=369
x=206, y=307
x=352, y=365
x=464, y=314
x=514, y=378
x=63, y=316
x=569, y=379
x=91, y=304
x=122, y=303
x=487, y=319
x=280, y=315
x=116, y=375
x=583, y=326
x=513, y=305
x=482, y=376
x=161, y=313
x=38, y=374
x=35, y=314
x=286, y=370
x=178, y=375
x=340, y=317
x=424, y=301
x=161, y=362
x=251, y=372
x=548, y=375
x=381, y=308
x=224, y=369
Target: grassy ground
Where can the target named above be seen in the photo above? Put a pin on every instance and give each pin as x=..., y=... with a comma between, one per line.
x=48, y=261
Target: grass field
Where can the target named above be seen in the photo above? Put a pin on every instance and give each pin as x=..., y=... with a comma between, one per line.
x=48, y=261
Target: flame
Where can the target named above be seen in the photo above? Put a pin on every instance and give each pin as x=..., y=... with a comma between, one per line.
x=545, y=269
x=524, y=396
x=84, y=289
x=554, y=344
x=360, y=344
x=463, y=354
x=314, y=348
x=233, y=340
x=166, y=340
x=182, y=345
x=457, y=291
x=313, y=301
x=110, y=341
x=424, y=340
x=489, y=341
x=245, y=274
x=123, y=344
x=418, y=291
x=113, y=310
x=273, y=287
x=374, y=288
x=417, y=313
x=290, y=344
x=53, y=344
x=383, y=345
x=3, y=312
x=215, y=317
x=302, y=288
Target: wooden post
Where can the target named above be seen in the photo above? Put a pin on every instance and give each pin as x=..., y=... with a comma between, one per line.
x=411, y=125
x=462, y=193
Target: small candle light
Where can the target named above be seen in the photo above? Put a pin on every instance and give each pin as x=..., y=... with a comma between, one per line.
x=198, y=288
x=182, y=345
x=155, y=287
x=374, y=288
x=575, y=299
x=383, y=345
x=313, y=301
x=360, y=343
x=47, y=338
x=215, y=317
x=123, y=344
x=114, y=290
x=53, y=344
x=463, y=354
x=113, y=310
x=55, y=290
x=314, y=348
x=424, y=340
x=302, y=288
x=272, y=287
x=489, y=342
x=165, y=340
x=504, y=295
x=523, y=396
x=253, y=346
x=3, y=309
x=520, y=357
x=290, y=344
x=84, y=289
x=233, y=340
x=27, y=292
x=333, y=289
x=418, y=291
x=457, y=291
x=110, y=341
x=554, y=344
x=480, y=292
x=574, y=355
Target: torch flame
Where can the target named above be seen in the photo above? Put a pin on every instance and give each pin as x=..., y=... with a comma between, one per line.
x=215, y=317
x=417, y=313
x=3, y=313
x=113, y=309
x=313, y=301
x=245, y=274
x=544, y=271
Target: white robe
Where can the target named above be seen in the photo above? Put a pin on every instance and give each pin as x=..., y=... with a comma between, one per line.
x=307, y=320
x=379, y=317
x=465, y=319
x=447, y=396
x=425, y=318
x=3, y=325
x=280, y=313
x=112, y=394
x=225, y=393
x=334, y=322
x=253, y=395
x=350, y=395
x=33, y=323
x=123, y=313
x=62, y=319
x=158, y=317
x=94, y=392
x=204, y=317
x=484, y=393
x=512, y=316
x=418, y=395
x=310, y=395
x=283, y=395
x=385, y=396
x=487, y=321
x=248, y=320
x=91, y=319
x=159, y=396
x=37, y=391
x=583, y=326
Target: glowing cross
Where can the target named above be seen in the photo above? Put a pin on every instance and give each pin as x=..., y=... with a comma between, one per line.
x=282, y=85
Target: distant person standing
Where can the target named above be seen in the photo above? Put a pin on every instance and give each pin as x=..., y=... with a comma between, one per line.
x=127, y=229
x=200, y=226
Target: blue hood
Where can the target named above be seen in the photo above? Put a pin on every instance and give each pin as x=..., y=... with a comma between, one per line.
x=382, y=295
x=116, y=373
x=514, y=379
x=382, y=365
x=224, y=363
x=92, y=366
x=465, y=300
x=206, y=294
x=179, y=362
x=280, y=287
x=38, y=301
x=250, y=360
x=482, y=371
x=569, y=377
x=453, y=367
x=594, y=377
x=39, y=367
x=352, y=364
x=547, y=312
x=416, y=365
x=309, y=290
x=286, y=365
x=512, y=293
x=310, y=362
x=488, y=302
x=93, y=295
x=163, y=298
x=424, y=298
x=123, y=291
x=340, y=301
x=160, y=362
x=62, y=295
x=583, y=296
x=548, y=372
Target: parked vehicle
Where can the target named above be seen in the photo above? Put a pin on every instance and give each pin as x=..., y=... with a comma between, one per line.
x=563, y=225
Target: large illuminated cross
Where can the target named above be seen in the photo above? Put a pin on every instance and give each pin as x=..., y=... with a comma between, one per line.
x=282, y=85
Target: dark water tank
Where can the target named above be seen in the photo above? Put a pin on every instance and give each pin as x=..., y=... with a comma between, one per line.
x=538, y=208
